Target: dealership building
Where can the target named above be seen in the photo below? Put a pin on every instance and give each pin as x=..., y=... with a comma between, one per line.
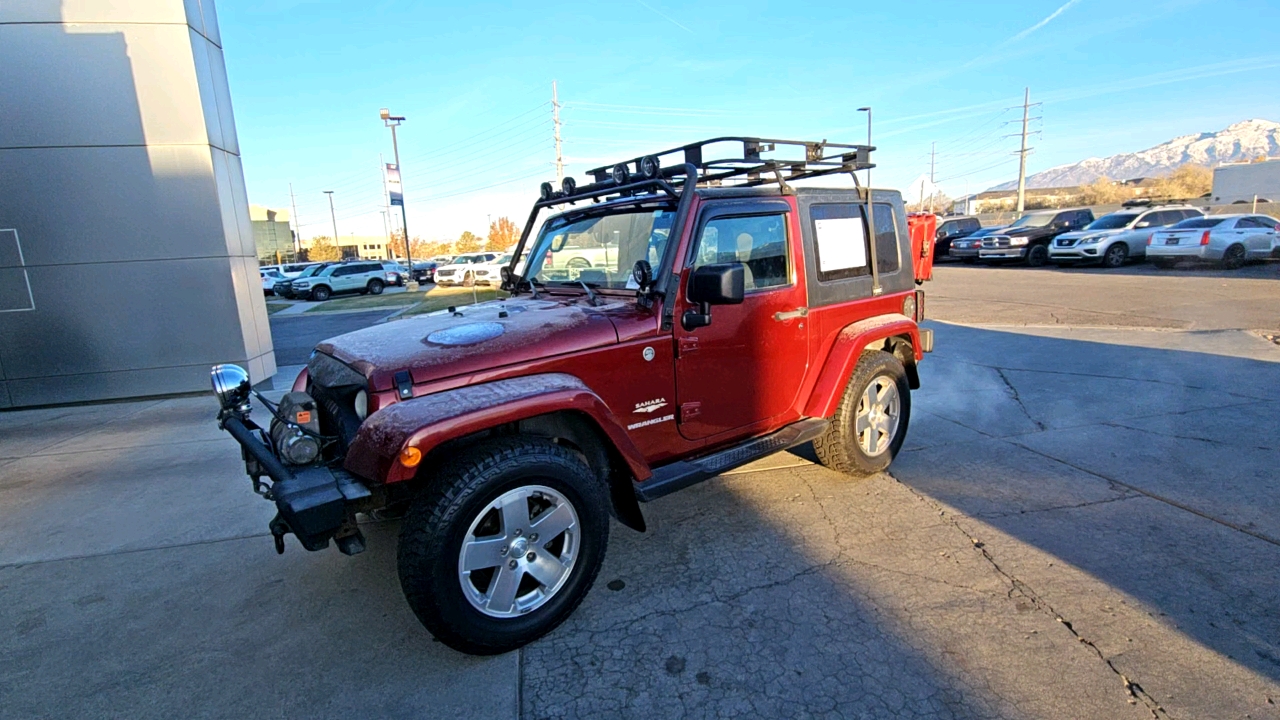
x=127, y=257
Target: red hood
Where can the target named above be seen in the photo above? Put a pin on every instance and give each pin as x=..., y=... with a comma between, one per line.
x=475, y=338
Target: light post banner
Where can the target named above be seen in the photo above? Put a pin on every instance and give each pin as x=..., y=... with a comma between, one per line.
x=394, y=193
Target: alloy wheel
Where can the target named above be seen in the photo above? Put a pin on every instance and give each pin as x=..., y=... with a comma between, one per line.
x=519, y=551
x=879, y=413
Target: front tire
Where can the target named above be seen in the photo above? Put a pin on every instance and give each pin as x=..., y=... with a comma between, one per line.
x=871, y=420
x=518, y=501
x=1037, y=255
x=1116, y=255
x=320, y=294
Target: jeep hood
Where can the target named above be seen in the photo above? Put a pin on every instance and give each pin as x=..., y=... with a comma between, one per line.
x=474, y=338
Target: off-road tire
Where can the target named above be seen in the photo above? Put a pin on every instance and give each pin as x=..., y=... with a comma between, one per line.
x=433, y=530
x=1037, y=255
x=1116, y=255
x=838, y=447
x=320, y=293
x=1234, y=257
x=375, y=287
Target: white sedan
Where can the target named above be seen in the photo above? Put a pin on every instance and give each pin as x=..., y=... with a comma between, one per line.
x=1230, y=240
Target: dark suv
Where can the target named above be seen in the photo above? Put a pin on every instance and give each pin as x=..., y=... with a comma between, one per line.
x=1029, y=236
x=732, y=315
x=953, y=228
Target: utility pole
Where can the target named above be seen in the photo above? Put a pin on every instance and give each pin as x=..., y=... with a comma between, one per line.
x=297, y=227
x=333, y=217
x=1022, y=154
x=933, y=187
x=555, y=119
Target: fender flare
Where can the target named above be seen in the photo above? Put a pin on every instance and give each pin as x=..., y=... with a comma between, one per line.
x=847, y=349
x=428, y=421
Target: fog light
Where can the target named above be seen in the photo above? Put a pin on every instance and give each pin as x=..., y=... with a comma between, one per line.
x=620, y=174
x=230, y=386
x=546, y=191
x=649, y=166
x=569, y=185
x=410, y=457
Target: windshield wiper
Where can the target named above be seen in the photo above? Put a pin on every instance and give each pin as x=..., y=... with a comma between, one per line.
x=591, y=296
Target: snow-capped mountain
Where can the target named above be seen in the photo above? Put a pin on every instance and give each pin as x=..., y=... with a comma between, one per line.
x=1241, y=141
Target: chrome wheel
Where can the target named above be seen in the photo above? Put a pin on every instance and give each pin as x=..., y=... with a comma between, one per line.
x=879, y=413
x=519, y=551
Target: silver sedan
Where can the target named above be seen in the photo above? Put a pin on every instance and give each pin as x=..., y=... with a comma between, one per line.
x=1230, y=240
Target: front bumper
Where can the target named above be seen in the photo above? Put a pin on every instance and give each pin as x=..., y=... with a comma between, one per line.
x=316, y=503
x=962, y=252
x=1004, y=253
x=1077, y=253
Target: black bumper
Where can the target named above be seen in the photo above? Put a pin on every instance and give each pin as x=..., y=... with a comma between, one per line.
x=314, y=502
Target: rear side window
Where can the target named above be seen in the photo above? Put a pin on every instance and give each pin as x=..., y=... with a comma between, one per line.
x=840, y=231
x=759, y=242
x=1188, y=213
x=969, y=225
x=1200, y=222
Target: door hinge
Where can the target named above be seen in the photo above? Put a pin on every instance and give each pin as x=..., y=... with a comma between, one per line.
x=404, y=385
x=687, y=345
x=689, y=411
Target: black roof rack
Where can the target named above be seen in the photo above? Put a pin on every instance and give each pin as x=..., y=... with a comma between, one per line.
x=748, y=167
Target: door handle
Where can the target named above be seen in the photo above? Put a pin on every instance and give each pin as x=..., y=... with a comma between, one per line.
x=791, y=314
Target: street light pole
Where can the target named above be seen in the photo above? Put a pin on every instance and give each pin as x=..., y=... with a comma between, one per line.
x=334, y=218
x=393, y=122
x=871, y=218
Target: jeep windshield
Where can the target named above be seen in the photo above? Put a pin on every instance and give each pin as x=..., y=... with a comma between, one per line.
x=598, y=249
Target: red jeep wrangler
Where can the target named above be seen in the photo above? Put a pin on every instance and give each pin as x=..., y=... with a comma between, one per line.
x=678, y=317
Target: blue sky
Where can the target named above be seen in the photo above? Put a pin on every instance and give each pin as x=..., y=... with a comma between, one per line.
x=474, y=80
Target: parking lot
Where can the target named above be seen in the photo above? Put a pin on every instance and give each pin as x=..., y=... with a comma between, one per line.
x=1081, y=524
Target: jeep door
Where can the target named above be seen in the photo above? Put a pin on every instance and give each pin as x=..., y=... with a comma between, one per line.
x=743, y=371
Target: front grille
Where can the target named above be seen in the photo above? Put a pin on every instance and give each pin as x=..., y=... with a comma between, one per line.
x=1066, y=242
x=995, y=242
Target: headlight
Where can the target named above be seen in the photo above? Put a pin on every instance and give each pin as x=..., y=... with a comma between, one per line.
x=1017, y=242
x=1092, y=239
x=362, y=405
x=230, y=386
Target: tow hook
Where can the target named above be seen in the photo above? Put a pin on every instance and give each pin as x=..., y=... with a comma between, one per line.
x=279, y=528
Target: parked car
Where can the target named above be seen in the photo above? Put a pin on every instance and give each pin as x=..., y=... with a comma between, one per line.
x=951, y=229
x=1230, y=240
x=284, y=288
x=269, y=276
x=442, y=259
x=459, y=272
x=424, y=271
x=1028, y=237
x=1117, y=237
x=396, y=274
x=515, y=431
x=293, y=270
x=349, y=277
x=967, y=248
x=490, y=273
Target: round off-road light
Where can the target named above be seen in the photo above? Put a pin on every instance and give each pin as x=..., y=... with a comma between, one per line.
x=649, y=166
x=568, y=185
x=620, y=174
x=546, y=191
x=230, y=385
x=642, y=273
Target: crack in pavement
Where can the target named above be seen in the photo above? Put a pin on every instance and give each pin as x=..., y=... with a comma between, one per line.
x=1135, y=691
x=1018, y=399
x=1091, y=503
x=1211, y=441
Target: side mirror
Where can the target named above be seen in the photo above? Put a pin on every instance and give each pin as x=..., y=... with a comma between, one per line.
x=722, y=284
x=1143, y=224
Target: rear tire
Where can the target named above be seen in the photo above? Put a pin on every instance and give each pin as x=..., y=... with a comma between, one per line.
x=1037, y=255
x=846, y=449
x=375, y=287
x=457, y=579
x=1234, y=257
x=1116, y=255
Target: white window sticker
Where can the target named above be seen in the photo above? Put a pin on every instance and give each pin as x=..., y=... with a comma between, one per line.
x=841, y=244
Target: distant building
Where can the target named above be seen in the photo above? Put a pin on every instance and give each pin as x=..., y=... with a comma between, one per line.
x=365, y=247
x=1242, y=182
x=272, y=235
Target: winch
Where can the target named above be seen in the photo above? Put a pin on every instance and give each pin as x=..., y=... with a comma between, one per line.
x=297, y=443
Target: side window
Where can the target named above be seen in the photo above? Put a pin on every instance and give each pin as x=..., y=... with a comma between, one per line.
x=759, y=242
x=840, y=240
x=970, y=225
x=1083, y=217
x=1191, y=214
x=1248, y=223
